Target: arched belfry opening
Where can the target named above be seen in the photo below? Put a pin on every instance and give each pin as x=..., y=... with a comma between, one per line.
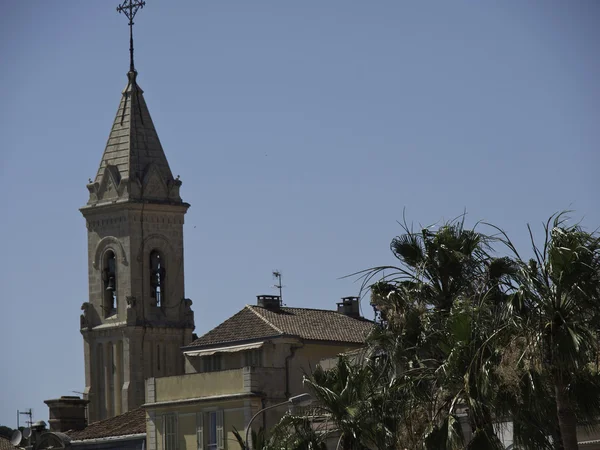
x=109, y=283
x=157, y=278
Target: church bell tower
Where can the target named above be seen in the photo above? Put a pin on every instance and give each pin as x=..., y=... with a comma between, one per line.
x=137, y=316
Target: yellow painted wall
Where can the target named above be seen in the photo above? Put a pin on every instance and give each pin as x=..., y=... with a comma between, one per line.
x=186, y=432
x=306, y=359
x=233, y=419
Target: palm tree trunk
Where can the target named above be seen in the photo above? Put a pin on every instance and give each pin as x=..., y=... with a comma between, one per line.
x=567, y=421
x=557, y=440
x=557, y=443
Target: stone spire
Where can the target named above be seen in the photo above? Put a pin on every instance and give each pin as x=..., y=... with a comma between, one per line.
x=134, y=166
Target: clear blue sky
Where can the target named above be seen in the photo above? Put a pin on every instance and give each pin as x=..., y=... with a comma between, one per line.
x=300, y=130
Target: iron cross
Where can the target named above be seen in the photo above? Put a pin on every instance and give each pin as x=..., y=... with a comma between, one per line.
x=130, y=8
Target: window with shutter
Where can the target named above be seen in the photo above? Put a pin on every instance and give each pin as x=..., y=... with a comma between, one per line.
x=200, y=430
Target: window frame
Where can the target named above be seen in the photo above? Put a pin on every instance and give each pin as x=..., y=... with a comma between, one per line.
x=212, y=430
x=214, y=437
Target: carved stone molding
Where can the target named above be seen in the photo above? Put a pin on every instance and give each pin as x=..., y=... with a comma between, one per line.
x=162, y=244
x=105, y=243
x=153, y=184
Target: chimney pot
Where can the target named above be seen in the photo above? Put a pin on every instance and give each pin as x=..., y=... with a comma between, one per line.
x=270, y=302
x=67, y=413
x=349, y=306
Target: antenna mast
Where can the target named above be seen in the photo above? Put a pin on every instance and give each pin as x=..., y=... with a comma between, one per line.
x=27, y=412
x=277, y=275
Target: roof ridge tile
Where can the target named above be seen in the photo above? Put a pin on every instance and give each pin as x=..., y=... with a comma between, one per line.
x=267, y=321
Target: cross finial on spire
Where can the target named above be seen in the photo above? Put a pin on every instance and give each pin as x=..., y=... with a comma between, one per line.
x=130, y=8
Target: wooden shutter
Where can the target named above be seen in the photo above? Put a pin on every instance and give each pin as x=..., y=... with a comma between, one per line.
x=164, y=431
x=220, y=437
x=170, y=441
x=200, y=430
x=176, y=431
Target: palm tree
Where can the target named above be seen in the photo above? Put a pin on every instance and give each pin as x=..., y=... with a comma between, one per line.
x=258, y=438
x=468, y=340
x=343, y=395
x=440, y=311
x=557, y=313
x=299, y=432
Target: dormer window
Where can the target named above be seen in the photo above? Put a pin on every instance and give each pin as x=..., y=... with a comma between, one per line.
x=157, y=278
x=109, y=279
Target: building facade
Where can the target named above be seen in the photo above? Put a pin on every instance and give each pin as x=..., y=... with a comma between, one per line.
x=137, y=317
x=255, y=359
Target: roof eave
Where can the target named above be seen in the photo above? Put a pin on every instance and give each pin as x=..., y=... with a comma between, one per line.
x=331, y=342
x=232, y=343
x=212, y=398
x=125, y=437
x=275, y=336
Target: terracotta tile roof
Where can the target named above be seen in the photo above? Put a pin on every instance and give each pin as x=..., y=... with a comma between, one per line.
x=255, y=322
x=5, y=444
x=132, y=422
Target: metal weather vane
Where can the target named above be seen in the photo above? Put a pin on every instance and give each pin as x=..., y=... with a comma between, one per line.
x=130, y=8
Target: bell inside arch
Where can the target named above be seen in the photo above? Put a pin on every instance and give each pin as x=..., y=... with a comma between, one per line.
x=110, y=286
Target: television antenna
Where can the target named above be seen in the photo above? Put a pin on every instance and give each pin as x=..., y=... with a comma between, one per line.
x=27, y=412
x=278, y=285
x=83, y=396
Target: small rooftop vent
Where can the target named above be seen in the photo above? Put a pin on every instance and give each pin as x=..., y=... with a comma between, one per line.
x=40, y=425
x=270, y=302
x=349, y=306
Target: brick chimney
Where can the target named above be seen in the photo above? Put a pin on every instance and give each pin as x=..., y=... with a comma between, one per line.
x=270, y=302
x=349, y=306
x=67, y=413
